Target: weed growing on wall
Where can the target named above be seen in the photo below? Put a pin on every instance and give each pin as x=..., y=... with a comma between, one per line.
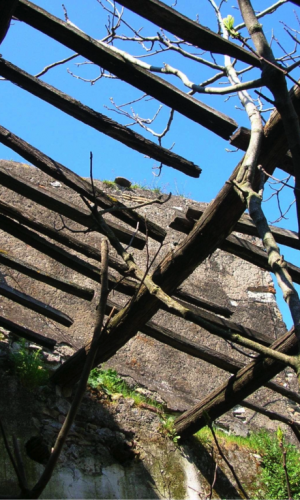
x=28, y=366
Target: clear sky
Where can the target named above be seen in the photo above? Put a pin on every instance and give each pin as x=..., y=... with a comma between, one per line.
x=70, y=142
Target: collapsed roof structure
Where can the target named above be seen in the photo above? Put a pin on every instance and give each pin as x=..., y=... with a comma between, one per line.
x=206, y=231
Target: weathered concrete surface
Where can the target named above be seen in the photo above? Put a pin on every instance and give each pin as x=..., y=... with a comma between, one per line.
x=180, y=379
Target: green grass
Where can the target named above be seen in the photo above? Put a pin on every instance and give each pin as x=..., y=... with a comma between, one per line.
x=29, y=367
x=109, y=184
x=110, y=382
x=272, y=473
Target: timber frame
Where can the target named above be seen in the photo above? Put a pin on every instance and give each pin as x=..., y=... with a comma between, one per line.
x=206, y=230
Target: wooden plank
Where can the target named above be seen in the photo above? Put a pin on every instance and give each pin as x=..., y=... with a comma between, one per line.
x=241, y=138
x=243, y=248
x=58, y=204
x=102, y=55
x=255, y=255
x=35, y=305
x=80, y=185
x=27, y=334
x=60, y=255
x=212, y=320
x=190, y=31
x=38, y=274
x=7, y=9
x=236, y=389
x=59, y=236
x=208, y=305
x=246, y=226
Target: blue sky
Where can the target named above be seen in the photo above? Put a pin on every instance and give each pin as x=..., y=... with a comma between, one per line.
x=70, y=142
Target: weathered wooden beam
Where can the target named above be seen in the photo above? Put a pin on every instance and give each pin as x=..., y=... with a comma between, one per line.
x=209, y=320
x=7, y=9
x=27, y=334
x=58, y=204
x=38, y=274
x=244, y=225
x=214, y=226
x=241, y=138
x=208, y=305
x=35, y=305
x=203, y=352
x=165, y=17
x=80, y=185
x=36, y=241
x=255, y=255
x=60, y=236
x=102, y=55
x=236, y=389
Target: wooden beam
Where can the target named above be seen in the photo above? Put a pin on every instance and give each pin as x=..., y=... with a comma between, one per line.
x=190, y=31
x=60, y=236
x=80, y=185
x=38, y=274
x=58, y=204
x=102, y=55
x=208, y=305
x=296, y=2
x=241, y=248
x=7, y=9
x=27, y=334
x=214, y=226
x=255, y=255
x=236, y=389
x=35, y=305
x=244, y=226
x=203, y=352
x=241, y=138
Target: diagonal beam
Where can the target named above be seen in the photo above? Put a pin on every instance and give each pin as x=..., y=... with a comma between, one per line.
x=203, y=352
x=38, y=274
x=80, y=185
x=58, y=204
x=63, y=238
x=102, y=55
x=35, y=305
x=165, y=17
x=94, y=119
x=240, y=386
x=27, y=333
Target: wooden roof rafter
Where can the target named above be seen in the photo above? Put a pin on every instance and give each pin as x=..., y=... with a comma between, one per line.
x=169, y=19
x=103, y=56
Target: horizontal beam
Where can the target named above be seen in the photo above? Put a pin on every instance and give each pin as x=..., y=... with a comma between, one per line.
x=208, y=305
x=58, y=204
x=27, y=334
x=103, y=56
x=80, y=185
x=245, y=225
x=35, y=305
x=190, y=31
x=62, y=237
x=38, y=274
